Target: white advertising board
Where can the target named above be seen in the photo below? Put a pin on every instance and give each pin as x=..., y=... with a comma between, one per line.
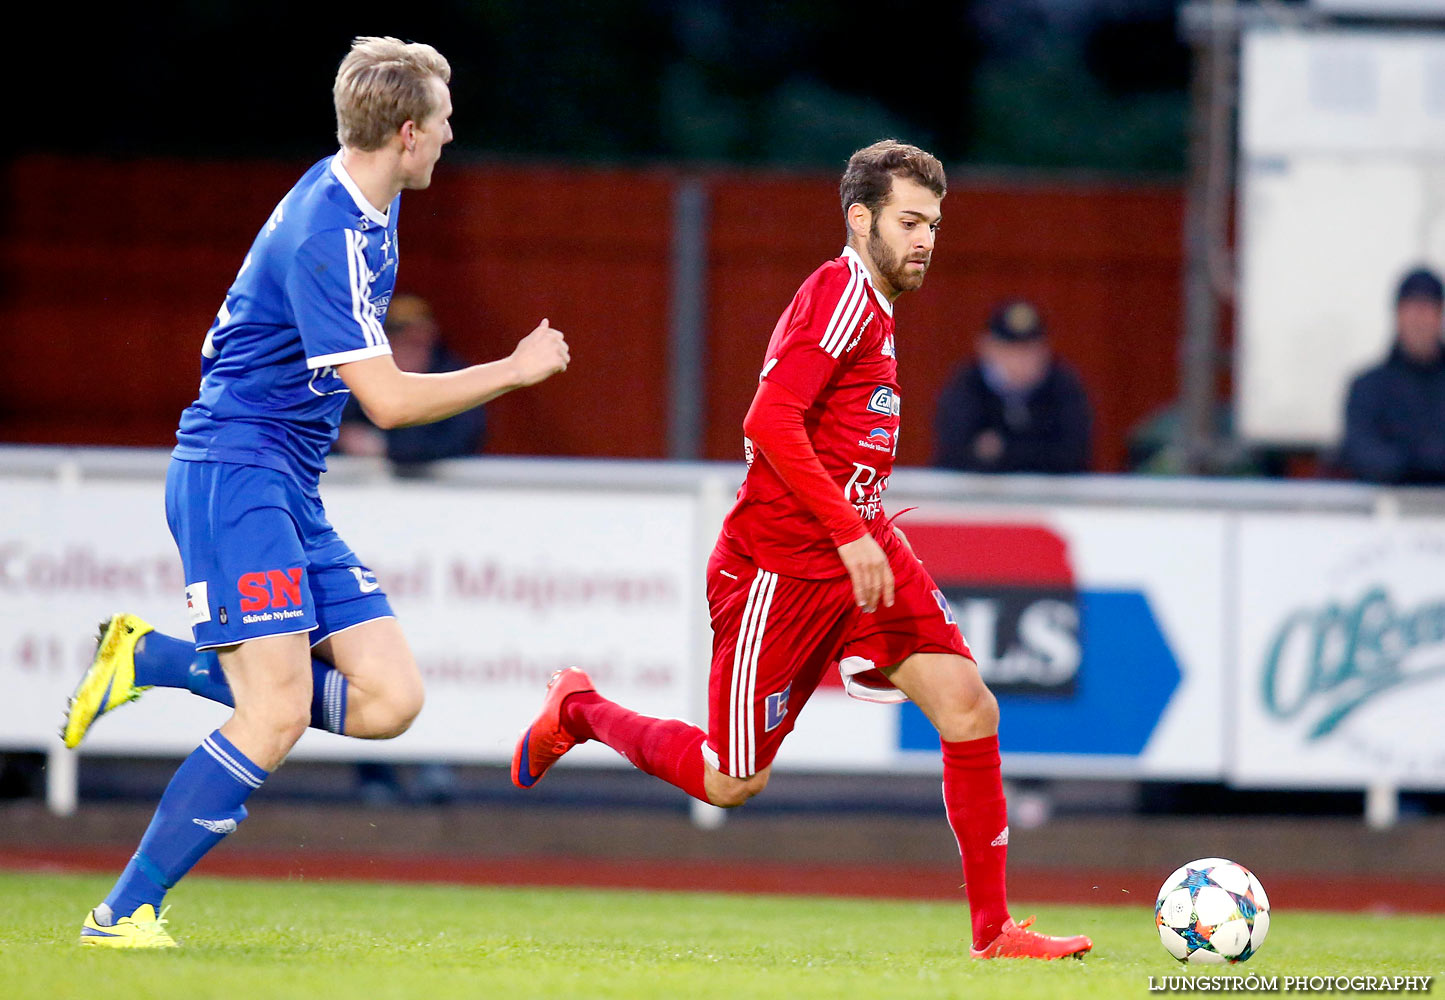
x=495, y=588
x=1341, y=659
x=1099, y=629
x=1268, y=649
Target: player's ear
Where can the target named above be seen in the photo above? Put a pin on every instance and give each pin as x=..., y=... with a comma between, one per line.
x=860, y=220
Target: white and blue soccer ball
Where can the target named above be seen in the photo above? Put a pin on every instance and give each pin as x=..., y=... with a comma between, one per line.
x=1212, y=912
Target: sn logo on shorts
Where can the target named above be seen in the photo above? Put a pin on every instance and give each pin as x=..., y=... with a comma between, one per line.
x=273, y=588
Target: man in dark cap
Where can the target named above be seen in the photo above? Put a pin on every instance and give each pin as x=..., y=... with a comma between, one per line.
x=1395, y=416
x=1017, y=408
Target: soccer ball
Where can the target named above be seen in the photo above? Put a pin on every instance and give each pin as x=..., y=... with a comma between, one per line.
x=1212, y=911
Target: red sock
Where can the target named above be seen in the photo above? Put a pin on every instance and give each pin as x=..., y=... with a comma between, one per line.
x=973, y=797
x=668, y=748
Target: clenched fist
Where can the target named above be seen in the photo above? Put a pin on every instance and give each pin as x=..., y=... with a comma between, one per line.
x=540, y=355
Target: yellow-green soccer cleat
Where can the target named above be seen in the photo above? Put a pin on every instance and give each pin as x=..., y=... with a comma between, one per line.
x=142, y=929
x=110, y=681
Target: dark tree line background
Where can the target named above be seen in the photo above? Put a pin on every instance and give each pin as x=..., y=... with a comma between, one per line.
x=1093, y=84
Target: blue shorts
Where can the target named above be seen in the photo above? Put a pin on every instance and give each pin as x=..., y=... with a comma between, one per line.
x=260, y=557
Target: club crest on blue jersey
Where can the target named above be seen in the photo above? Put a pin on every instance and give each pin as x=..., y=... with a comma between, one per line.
x=325, y=382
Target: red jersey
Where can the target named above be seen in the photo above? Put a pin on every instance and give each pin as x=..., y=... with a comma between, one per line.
x=833, y=349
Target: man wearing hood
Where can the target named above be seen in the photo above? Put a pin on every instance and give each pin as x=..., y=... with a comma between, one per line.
x=1395, y=416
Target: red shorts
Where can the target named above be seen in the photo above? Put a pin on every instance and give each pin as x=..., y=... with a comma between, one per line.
x=775, y=636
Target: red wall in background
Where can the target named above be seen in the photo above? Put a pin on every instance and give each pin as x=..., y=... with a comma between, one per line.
x=1103, y=264
x=112, y=272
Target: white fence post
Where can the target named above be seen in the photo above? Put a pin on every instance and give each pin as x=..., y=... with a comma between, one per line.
x=712, y=506
x=62, y=780
x=1382, y=805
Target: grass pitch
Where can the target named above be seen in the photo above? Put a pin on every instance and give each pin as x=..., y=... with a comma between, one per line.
x=276, y=939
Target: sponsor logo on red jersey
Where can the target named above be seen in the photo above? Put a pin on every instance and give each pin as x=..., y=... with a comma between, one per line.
x=865, y=490
x=885, y=401
x=878, y=439
x=777, y=709
x=859, y=335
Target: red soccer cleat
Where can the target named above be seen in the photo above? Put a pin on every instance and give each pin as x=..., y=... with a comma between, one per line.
x=1017, y=941
x=544, y=742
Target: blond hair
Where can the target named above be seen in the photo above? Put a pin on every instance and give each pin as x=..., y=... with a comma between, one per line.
x=381, y=85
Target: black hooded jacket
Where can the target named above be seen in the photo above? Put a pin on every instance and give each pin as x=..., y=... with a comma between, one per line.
x=1048, y=432
x=1395, y=421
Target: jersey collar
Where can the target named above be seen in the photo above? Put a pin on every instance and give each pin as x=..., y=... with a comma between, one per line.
x=881, y=299
x=365, y=207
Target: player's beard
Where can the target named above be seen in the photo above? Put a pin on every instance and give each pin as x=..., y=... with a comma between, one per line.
x=892, y=270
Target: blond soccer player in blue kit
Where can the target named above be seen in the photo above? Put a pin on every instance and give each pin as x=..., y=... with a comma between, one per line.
x=290, y=627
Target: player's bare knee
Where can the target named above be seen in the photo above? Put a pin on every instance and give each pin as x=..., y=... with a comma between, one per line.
x=283, y=716
x=983, y=709
x=731, y=796
x=405, y=702
x=288, y=726
x=757, y=783
x=269, y=732
x=403, y=711
x=972, y=714
x=396, y=708
x=727, y=792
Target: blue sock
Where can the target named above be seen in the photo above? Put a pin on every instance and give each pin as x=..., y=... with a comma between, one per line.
x=206, y=678
x=204, y=802
x=329, y=689
x=164, y=661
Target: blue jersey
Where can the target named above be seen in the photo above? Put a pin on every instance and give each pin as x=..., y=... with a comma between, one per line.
x=311, y=294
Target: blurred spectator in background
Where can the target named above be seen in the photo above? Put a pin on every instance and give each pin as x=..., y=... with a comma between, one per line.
x=1017, y=408
x=1395, y=416
x=416, y=346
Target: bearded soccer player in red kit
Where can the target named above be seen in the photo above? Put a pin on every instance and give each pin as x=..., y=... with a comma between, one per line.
x=807, y=571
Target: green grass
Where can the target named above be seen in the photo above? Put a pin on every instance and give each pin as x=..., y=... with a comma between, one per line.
x=270, y=939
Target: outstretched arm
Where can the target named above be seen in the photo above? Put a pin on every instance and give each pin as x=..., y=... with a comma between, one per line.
x=394, y=398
